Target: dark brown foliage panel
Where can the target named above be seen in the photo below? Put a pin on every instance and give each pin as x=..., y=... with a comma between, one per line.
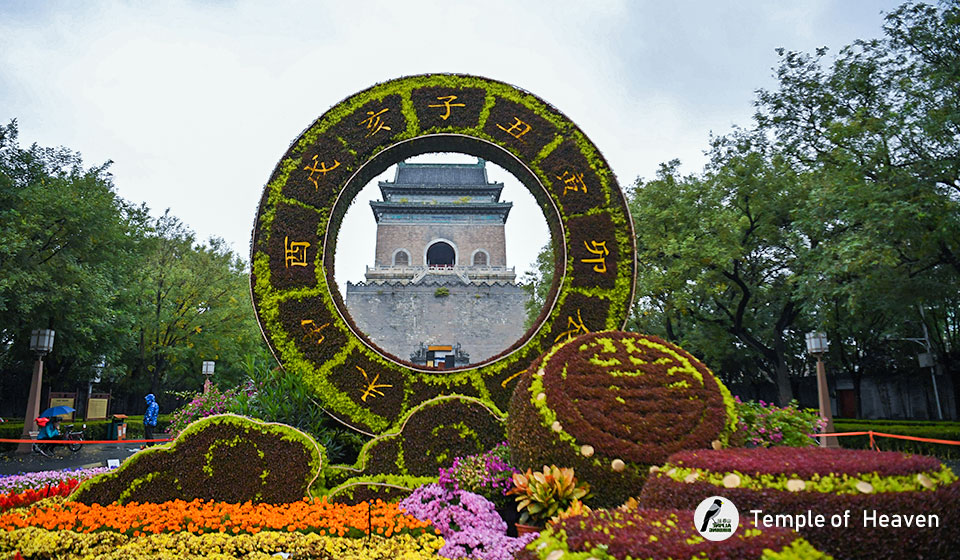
x=519, y=128
x=444, y=106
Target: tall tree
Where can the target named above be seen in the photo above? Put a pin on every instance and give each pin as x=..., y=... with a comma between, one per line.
x=878, y=130
x=719, y=251
x=67, y=255
x=194, y=305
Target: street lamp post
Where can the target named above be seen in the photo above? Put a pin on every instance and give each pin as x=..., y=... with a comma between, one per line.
x=207, y=372
x=41, y=343
x=816, y=345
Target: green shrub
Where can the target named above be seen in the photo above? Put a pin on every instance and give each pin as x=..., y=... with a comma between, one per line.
x=949, y=431
x=273, y=395
x=767, y=425
x=202, y=405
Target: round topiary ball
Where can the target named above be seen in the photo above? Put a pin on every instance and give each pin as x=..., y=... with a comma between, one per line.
x=612, y=404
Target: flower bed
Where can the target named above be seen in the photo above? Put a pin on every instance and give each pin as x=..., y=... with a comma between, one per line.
x=876, y=488
x=41, y=479
x=30, y=496
x=35, y=542
x=658, y=534
x=198, y=517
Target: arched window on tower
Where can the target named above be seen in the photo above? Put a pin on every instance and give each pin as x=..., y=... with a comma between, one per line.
x=401, y=258
x=480, y=258
x=441, y=254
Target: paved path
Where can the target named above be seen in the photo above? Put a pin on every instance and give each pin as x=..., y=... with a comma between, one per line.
x=88, y=456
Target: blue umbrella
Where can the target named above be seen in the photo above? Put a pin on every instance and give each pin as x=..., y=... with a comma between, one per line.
x=56, y=411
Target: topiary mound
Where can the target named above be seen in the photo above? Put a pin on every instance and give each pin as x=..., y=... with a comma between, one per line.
x=611, y=404
x=883, y=491
x=226, y=458
x=659, y=535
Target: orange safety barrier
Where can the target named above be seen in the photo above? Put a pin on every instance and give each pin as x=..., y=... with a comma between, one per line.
x=83, y=442
x=873, y=444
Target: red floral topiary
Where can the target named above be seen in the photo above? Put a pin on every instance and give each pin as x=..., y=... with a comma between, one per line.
x=827, y=482
x=610, y=404
x=659, y=534
x=806, y=462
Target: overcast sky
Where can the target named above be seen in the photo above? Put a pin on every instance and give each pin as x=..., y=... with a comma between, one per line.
x=196, y=101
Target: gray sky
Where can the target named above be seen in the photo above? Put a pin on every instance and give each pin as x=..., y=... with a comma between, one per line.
x=196, y=101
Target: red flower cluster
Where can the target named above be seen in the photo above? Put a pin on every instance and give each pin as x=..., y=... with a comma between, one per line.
x=17, y=499
x=805, y=461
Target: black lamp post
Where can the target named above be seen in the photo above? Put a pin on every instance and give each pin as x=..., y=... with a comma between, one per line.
x=41, y=343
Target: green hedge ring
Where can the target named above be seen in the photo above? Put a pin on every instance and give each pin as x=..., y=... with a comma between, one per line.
x=299, y=308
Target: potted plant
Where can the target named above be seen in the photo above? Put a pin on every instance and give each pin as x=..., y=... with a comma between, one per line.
x=542, y=495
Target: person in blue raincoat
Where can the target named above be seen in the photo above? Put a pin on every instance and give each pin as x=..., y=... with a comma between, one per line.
x=150, y=416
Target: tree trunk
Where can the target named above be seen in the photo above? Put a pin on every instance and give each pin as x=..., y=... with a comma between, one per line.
x=857, y=383
x=784, y=389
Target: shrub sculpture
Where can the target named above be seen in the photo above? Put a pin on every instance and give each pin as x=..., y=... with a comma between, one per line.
x=298, y=305
x=227, y=458
x=610, y=405
x=429, y=438
x=794, y=481
x=659, y=535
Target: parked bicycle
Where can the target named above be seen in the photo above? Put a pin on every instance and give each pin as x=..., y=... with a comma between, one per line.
x=68, y=438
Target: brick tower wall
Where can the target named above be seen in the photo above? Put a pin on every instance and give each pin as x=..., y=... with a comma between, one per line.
x=485, y=320
x=414, y=238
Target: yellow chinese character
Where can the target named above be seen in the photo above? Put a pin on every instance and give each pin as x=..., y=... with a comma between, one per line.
x=374, y=122
x=312, y=330
x=323, y=169
x=577, y=328
x=517, y=129
x=572, y=182
x=600, y=249
x=295, y=253
x=511, y=378
x=372, y=387
x=448, y=101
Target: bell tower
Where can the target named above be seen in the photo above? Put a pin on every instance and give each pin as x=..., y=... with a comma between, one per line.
x=441, y=253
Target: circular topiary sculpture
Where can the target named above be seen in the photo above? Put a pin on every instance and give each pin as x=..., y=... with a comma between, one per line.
x=873, y=504
x=610, y=405
x=302, y=313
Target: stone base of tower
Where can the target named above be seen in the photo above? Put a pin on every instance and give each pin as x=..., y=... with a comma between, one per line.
x=484, y=319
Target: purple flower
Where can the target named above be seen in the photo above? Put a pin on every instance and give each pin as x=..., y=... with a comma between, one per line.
x=469, y=523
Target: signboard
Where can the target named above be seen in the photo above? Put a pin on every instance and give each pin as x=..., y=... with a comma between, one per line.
x=97, y=405
x=63, y=399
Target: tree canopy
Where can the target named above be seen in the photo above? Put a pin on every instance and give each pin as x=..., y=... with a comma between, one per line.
x=119, y=287
x=837, y=210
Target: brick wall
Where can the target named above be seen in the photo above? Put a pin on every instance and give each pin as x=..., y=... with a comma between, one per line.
x=466, y=239
x=485, y=320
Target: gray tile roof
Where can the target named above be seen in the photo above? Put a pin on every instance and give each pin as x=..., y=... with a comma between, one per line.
x=441, y=174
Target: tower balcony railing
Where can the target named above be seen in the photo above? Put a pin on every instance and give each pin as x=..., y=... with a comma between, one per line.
x=416, y=273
